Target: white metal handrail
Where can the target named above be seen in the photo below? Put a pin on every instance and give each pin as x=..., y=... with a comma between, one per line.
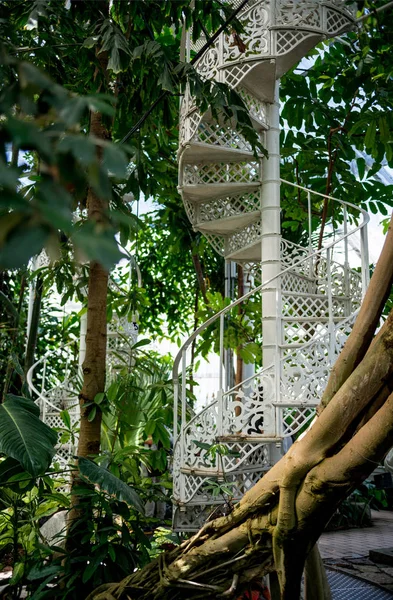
x=42, y=395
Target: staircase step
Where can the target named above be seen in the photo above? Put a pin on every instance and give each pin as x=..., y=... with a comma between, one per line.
x=258, y=125
x=251, y=253
x=307, y=319
x=196, y=152
x=229, y=225
x=263, y=71
x=316, y=296
x=204, y=191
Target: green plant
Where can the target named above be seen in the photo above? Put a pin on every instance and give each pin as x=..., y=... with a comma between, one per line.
x=354, y=511
x=111, y=544
x=24, y=502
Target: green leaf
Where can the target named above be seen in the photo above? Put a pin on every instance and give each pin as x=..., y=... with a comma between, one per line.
x=165, y=80
x=65, y=417
x=8, y=306
x=92, y=414
x=109, y=483
x=97, y=244
x=361, y=164
x=369, y=139
x=90, y=42
x=150, y=427
x=98, y=398
x=24, y=437
x=17, y=573
x=115, y=161
x=11, y=468
x=81, y=146
x=39, y=572
x=27, y=136
x=22, y=243
x=140, y=343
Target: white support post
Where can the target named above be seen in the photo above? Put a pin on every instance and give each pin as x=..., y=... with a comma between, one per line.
x=332, y=339
x=183, y=388
x=82, y=339
x=175, y=409
x=230, y=274
x=310, y=247
x=221, y=366
x=271, y=241
x=346, y=265
x=42, y=401
x=364, y=259
x=183, y=419
x=248, y=368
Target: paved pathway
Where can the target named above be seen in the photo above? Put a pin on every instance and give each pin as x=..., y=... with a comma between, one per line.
x=346, y=552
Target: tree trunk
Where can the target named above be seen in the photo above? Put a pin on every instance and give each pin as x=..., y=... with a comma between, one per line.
x=276, y=525
x=35, y=320
x=94, y=364
x=13, y=339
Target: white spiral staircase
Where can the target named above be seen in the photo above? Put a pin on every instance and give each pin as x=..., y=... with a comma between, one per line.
x=309, y=297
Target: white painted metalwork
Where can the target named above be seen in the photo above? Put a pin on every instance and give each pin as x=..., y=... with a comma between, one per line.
x=309, y=296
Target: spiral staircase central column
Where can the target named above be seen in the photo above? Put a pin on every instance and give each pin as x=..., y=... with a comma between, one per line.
x=271, y=240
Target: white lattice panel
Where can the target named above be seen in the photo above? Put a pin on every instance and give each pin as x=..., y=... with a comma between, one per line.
x=243, y=238
x=189, y=126
x=335, y=22
x=301, y=332
x=295, y=257
x=295, y=13
x=228, y=207
x=234, y=75
x=221, y=173
x=256, y=108
x=250, y=456
x=342, y=331
x=288, y=40
x=190, y=210
x=217, y=135
x=304, y=372
x=297, y=305
x=256, y=37
x=248, y=407
x=217, y=242
x=296, y=419
x=202, y=428
x=292, y=282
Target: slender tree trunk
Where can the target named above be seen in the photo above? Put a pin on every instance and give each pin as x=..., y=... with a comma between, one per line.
x=94, y=365
x=35, y=320
x=199, y=273
x=14, y=336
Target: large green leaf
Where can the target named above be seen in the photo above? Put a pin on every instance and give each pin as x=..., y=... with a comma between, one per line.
x=24, y=437
x=109, y=483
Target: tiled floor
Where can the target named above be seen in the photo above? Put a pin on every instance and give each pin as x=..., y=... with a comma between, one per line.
x=343, y=587
x=358, y=542
x=345, y=554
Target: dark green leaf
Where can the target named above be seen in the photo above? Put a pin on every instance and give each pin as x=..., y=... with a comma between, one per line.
x=24, y=437
x=109, y=483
